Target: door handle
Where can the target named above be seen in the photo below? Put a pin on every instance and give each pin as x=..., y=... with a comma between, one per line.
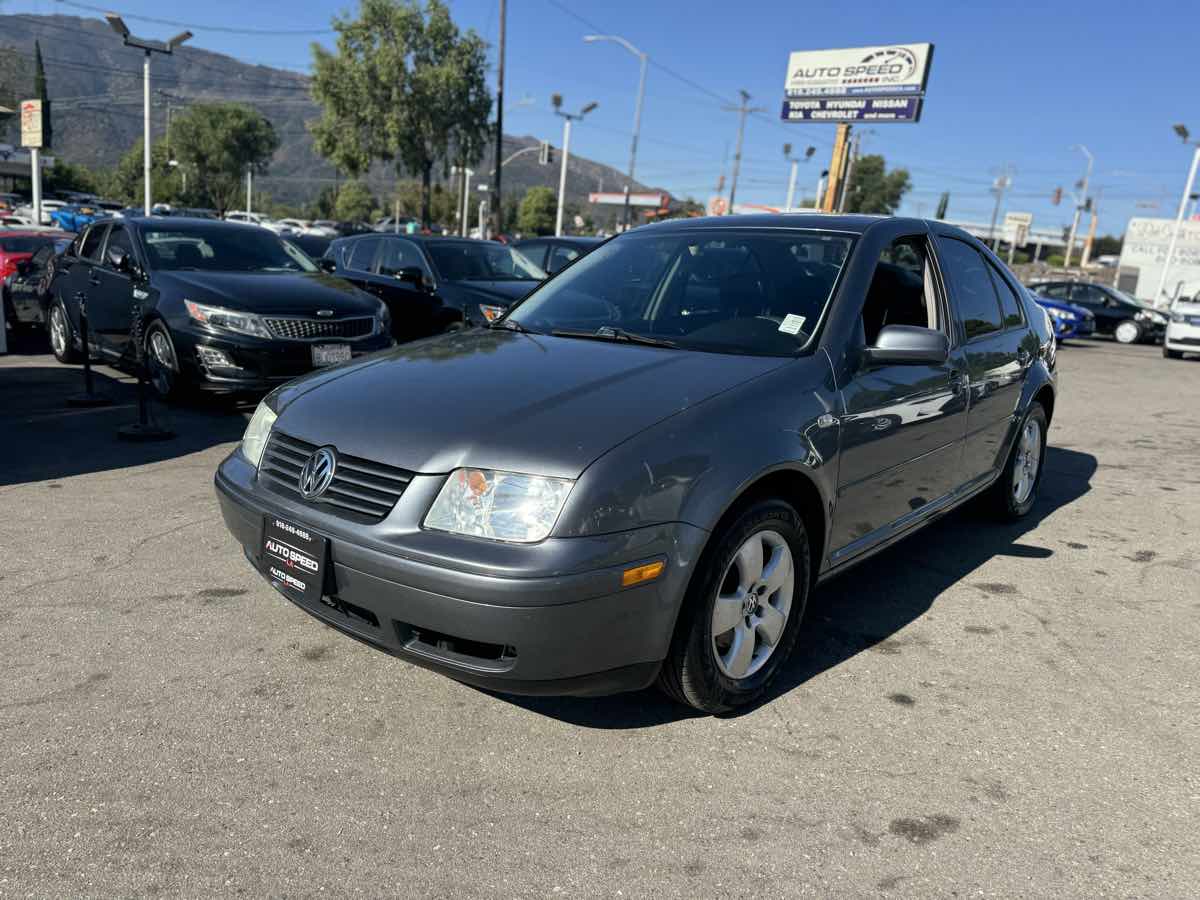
x=94, y=278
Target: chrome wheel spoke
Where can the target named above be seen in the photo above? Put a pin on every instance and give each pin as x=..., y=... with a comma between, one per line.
x=770, y=624
x=778, y=571
x=741, y=652
x=727, y=612
x=750, y=562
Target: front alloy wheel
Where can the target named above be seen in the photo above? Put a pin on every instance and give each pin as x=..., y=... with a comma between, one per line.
x=752, y=605
x=1128, y=332
x=162, y=366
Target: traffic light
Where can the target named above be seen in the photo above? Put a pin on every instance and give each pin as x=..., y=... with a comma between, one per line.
x=1056, y=197
x=544, y=155
x=1087, y=205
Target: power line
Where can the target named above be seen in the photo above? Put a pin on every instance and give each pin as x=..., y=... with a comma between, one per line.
x=192, y=25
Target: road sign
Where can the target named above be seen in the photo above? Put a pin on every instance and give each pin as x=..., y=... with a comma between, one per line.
x=31, y=123
x=1016, y=227
x=852, y=109
x=887, y=71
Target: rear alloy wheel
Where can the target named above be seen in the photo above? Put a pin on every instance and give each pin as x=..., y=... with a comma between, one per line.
x=1128, y=332
x=162, y=363
x=1016, y=491
x=62, y=338
x=742, y=612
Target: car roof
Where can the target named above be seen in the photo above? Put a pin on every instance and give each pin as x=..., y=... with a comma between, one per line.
x=854, y=223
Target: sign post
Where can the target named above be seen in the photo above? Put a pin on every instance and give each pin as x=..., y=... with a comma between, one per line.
x=1016, y=230
x=31, y=139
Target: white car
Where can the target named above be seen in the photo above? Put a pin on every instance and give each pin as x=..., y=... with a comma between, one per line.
x=252, y=218
x=48, y=206
x=302, y=226
x=1183, y=330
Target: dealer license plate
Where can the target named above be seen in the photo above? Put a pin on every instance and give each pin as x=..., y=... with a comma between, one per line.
x=294, y=559
x=329, y=354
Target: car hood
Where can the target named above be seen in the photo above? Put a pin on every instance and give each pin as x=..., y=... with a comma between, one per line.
x=503, y=400
x=271, y=293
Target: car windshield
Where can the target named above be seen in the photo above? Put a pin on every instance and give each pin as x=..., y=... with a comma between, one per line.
x=220, y=249
x=758, y=292
x=22, y=243
x=481, y=261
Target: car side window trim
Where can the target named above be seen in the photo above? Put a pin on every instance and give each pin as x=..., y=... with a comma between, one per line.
x=998, y=274
x=960, y=325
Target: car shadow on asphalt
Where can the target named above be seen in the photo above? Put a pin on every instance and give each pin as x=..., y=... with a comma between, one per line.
x=863, y=610
x=44, y=438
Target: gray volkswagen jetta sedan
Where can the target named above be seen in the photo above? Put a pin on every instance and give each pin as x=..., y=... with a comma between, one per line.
x=640, y=473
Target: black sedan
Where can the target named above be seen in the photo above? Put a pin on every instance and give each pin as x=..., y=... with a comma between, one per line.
x=213, y=305
x=26, y=292
x=434, y=284
x=555, y=253
x=1125, y=318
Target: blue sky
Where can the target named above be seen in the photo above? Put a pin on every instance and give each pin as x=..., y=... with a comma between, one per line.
x=1012, y=84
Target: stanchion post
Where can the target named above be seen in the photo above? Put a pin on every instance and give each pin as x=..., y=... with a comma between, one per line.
x=89, y=397
x=143, y=430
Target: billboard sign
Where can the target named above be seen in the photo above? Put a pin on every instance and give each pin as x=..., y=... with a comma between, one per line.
x=1145, y=250
x=1016, y=228
x=852, y=109
x=31, y=123
x=886, y=71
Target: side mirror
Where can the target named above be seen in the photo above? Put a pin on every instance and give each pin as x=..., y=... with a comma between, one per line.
x=908, y=345
x=118, y=259
x=412, y=275
x=326, y=264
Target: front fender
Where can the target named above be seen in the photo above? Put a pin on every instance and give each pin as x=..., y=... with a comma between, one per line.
x=693, y=466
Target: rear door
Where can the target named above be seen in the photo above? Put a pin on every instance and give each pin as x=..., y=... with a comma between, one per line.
x=1107, y=312
x=110, y=295
x=77, y=282
x=995, y=350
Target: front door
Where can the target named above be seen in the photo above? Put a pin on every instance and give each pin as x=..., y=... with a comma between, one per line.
x=416, y=311
x=902, y=425
x=996, y=349
x=110, y=297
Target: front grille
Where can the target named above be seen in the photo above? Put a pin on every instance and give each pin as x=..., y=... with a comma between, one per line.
x=312, y=329
x=361, y=489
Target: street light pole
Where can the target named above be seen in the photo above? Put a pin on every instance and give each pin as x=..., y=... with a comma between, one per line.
x=568, y=118
x=1078, y=204
x=787, y=154
x=637, y=113
x=148, y=47
x=1187, y=190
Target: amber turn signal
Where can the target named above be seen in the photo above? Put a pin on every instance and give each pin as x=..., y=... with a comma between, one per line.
x=642, y=574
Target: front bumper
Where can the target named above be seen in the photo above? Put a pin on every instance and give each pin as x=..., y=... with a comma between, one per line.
x=548, y=618
x=1182, y=336
x=260, y=364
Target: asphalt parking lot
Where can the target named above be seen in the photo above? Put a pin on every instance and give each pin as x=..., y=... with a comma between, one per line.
x=983, y=710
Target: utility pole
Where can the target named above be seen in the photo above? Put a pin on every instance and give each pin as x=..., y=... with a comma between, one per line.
x=849, y=172
x=1002, y=183
x=148, y=47
x=637, y=111
x=568, y=118
x=787, y=154
x=1187, y=190
x=742, y=110
x=249, y=188
x=465, y=203
x=1079, y=201
x=837, y=165
x=497, y=197
x=1087, y=245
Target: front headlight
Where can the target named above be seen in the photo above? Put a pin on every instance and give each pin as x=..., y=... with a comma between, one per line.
x=1061, y=314
x=384, y=319
x=227, y=319
x=1178, y=317
x=491, y=313
x=254, y=441
x=503, y=506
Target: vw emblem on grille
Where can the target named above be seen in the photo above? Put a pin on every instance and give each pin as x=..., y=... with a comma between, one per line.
x=317, y=473
x=324, y=313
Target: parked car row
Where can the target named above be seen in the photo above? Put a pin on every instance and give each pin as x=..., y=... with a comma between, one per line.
x=1109, y=311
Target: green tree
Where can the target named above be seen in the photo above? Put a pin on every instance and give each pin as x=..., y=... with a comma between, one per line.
x=1107, y=245
x=537, y=212
x=875, y=190
x=218, y=142
x=126, y=181
x=354, y=202
x=405, y=86
x=65, y=176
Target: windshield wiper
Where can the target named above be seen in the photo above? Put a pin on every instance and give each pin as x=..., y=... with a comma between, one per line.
x=511, y=325
x=610, y=333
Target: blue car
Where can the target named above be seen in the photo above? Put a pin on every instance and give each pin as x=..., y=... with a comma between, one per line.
x=73, y=217
x=1068, y=321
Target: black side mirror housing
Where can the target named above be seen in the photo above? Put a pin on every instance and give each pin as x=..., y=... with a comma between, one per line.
x=908, y=345
x=118, y=259
x=412, y=275
x=327, y=264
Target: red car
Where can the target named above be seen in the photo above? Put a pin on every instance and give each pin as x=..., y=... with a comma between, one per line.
x=17, y=245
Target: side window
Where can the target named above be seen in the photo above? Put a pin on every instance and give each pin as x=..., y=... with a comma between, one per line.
x=560, y=256
x=901, y=291
x=361, y=254
x=400, y=254
x=970, y=287
x=536, y=251
x=1088, y=295
x=92, y=241
x=1009, y=304
x=1053, y=291
x=119, y=237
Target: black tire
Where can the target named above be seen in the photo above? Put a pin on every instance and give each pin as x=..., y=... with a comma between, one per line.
x=1131, y=330
x=166, y=380
x=62, y=344
x=690, y=674
x=1172, y=354
x=1003, y=497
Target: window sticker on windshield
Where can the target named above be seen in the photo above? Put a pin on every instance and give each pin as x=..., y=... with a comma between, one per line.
x=792, y=324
